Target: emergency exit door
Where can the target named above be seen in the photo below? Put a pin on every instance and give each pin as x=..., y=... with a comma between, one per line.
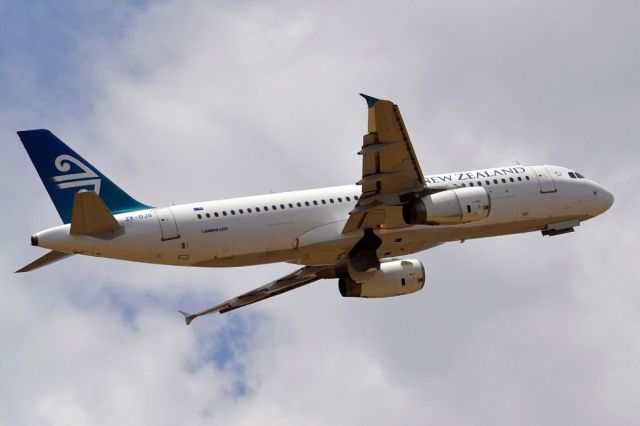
x=168, y=225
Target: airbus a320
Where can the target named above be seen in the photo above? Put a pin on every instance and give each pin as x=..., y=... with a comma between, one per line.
x=355, y=233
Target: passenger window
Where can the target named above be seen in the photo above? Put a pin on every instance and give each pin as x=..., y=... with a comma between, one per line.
x=339, y=199
x=519, y=179
x=306, y=203
x=233, y=212
x=258, y=209
x=487, y=182
x=355, y=196
x=315, y=203
x=298, y=204
x=290, y=205
x=224, y=212
x=216, y=214
x=504, y=181
x=266, y=208
x=348, y=199
x=511, y=180
x=495, y=181
x=324, y=202
x=463, y=184
x=199, y=216
x=479, y=183
x=248, y=210
x=470, y=183
x=331, y=200
x=527, y=178
x=282, y=206
x=207, y=215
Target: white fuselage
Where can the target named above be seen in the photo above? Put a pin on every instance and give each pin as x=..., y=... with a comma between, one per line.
x=305, y=227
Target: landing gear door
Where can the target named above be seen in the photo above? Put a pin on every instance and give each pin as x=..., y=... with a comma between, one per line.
x=168, y=225
x=544, y=178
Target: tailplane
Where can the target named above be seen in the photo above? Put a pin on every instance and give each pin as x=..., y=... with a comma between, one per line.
x=47, y=259
x=64, y=173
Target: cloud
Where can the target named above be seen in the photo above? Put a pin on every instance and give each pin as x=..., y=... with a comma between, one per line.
x=184, y=101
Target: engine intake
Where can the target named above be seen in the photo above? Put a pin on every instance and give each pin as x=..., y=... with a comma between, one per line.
x=394, y=278
x=450, y=207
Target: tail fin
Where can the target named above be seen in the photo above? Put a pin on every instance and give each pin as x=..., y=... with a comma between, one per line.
x=64, y=172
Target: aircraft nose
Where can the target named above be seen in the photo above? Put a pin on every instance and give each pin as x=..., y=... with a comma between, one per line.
x=605, y=199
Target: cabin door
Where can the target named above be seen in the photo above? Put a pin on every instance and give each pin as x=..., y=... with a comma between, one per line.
x=544, y=178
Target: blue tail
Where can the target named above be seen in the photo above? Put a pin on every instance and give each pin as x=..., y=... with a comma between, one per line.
x=64, y=173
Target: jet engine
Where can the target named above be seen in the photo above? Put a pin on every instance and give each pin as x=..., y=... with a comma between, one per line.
x=450, y=207
x=394, y=278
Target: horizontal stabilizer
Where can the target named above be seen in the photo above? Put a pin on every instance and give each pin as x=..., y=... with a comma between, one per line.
x=90, y=216
x=47, y=259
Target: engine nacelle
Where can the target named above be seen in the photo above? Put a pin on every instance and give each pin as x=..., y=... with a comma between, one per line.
x=450, y=207
x=394, y=278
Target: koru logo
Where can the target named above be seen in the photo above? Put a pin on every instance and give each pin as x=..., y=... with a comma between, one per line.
x=72, y=180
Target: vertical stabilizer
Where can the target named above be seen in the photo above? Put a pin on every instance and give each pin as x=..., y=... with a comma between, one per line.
x=64, y=172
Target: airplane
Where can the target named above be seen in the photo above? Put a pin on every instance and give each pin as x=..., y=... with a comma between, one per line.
x=354, y=233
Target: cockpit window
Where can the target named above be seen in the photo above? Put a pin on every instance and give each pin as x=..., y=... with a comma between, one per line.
x=572, y=175
x=578, y=175
x=575, y=175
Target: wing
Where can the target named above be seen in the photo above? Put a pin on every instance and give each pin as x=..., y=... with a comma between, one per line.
x=296, y=279
x=391, y=174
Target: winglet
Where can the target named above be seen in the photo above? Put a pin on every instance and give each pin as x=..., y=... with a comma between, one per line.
x=371, y=101
x=188, y=317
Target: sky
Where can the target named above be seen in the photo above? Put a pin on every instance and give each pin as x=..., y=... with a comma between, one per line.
x=183, y=101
